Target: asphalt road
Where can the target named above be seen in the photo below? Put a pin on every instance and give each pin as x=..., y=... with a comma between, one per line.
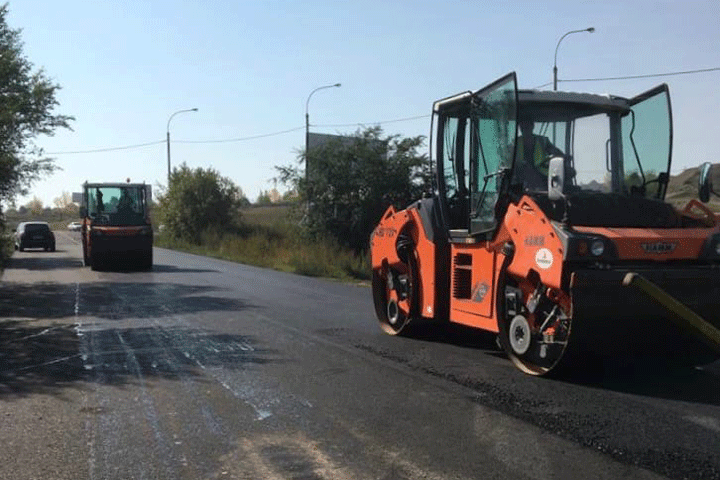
x=209, y=369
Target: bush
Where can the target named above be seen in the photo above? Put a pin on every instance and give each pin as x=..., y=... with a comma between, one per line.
x=199, y=201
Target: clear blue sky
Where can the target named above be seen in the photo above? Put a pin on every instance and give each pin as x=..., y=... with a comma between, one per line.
x=125, y=67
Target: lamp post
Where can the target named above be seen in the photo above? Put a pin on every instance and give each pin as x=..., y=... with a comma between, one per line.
x=555, y=80
x=307, y=126
x=168, y=136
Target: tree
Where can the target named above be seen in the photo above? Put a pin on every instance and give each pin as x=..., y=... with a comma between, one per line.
x=263, y=199
x=65, y=204
x=27, y=102
x=353, y=180
x=199, y=200
x=35, y=206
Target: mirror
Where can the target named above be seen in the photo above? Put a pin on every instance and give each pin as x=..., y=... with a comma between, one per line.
x=556, y=179
x=83, y=212
x=705, y=182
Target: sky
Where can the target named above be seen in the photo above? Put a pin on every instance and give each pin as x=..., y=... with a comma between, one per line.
x=250, y=66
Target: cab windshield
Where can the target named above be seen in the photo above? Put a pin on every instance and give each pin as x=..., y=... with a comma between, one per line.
x=614, y=146
x=116, y=205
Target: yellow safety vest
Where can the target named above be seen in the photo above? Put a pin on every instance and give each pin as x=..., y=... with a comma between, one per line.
x=539, y=154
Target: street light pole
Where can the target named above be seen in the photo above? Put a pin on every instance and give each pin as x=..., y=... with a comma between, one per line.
x=307, y=126
x=555, y=69
x=168, y=137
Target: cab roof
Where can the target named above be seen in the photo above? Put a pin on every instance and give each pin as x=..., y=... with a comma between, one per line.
x=113, y=184
x=543, y=105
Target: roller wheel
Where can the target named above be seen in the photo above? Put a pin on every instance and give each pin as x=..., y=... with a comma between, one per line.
x=395, y=296
x=95, y=262
x=519, y=335
x=86, y=257
x=529, y=350
x=146, y=260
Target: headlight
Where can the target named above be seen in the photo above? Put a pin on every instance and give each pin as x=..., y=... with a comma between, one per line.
x=585, y=246
x=597, y=247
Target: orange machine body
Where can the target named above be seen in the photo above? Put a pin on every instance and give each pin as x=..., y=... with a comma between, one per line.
x=116, y=224
x=540, y=258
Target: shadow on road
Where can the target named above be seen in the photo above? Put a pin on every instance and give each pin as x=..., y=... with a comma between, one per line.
x=56, y=335
x=114, y=301
x=643, y=378
x=46, y=360
x=696, y=385
x=158, y=268
x=43, y=261
x=458, y=335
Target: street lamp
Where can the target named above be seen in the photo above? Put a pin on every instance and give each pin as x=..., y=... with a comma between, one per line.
x=590, y=30
x=307, y=125
x=168, y=136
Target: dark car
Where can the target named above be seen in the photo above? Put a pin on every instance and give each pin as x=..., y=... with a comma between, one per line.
x=34, y=235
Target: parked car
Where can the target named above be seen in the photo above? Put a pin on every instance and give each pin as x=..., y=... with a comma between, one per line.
x=74, y=226
x=34, y=235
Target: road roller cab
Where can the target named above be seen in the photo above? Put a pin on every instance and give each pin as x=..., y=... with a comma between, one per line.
x=543, y=202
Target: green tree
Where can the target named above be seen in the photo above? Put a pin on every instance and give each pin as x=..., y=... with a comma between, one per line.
x=263, y=199
x=352, y=180
x=35, y=206
x=197, y=201
x=65, y=205
x=27, y=101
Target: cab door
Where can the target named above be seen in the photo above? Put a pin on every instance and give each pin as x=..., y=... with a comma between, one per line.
x=493, y=136
x=647, y=143
x=452, y=157
x=474, y=147
x=488, y=146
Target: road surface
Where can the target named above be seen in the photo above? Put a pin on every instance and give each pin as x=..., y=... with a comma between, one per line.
x=205, y=369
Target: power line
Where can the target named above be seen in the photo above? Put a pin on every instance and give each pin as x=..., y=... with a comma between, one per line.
x=543, y=85
x=629, y=77
x=109, y=149
x=373, y=123
x=231, y=140
x=405, y=119
x=632, y=77
x=141, y=145
x=242, y=139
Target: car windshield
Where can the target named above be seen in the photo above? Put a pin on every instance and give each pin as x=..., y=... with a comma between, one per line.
x=36, y=228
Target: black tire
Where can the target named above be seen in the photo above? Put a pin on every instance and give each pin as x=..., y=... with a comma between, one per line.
x=21, y=247
x=146, y=260
x=559, y=361
x=94, y=262
x=398, y=323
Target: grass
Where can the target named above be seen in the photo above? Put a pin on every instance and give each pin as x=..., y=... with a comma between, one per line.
x=271, y=238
